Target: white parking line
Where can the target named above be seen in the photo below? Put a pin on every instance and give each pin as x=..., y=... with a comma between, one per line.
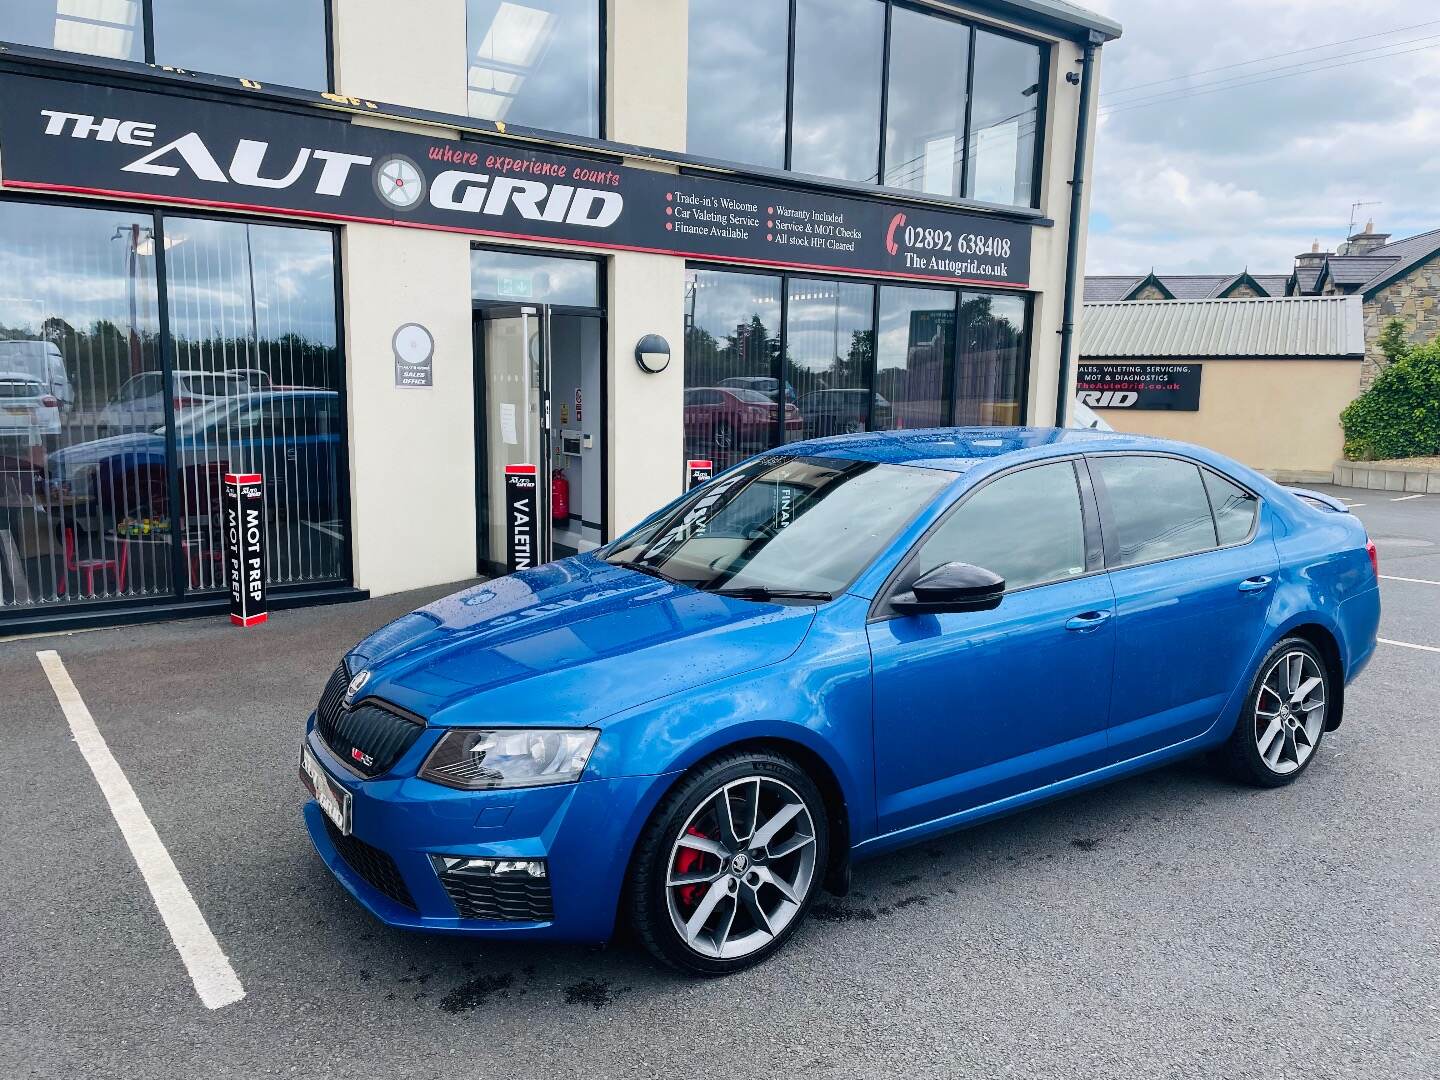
x=1407, y=498
x=1408, y=645
x=215, y=980
x=1412, y=580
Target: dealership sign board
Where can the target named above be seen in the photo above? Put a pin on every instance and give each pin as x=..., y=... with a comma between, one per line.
x=1172, y=387
x=102, y=140
x=522, y=538
x=245, y=547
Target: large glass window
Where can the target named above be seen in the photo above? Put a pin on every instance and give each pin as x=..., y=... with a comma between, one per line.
x=274, y=41
x=732, y=337
x=829, y=353
x=925, y=132
x=109, y=28
x=839, y=56
x=1003, y=119
x=96, y=407
x=774, y=358
x=915, y=357
x=536, y=64
x=990, y=382
x=278, y=41
x=1159, y=507
x=1027, y=527
x=738, y=62
x=542, y=279
x=942, y=135
x=1234, y=508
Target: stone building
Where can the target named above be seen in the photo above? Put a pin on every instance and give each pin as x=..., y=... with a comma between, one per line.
x=1394, y=279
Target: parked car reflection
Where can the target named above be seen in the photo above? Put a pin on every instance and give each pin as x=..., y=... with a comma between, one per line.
x=140, y=403
x=842, y=412
x=724, y=419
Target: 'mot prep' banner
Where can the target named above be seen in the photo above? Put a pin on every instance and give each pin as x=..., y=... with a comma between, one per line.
x=99, y=140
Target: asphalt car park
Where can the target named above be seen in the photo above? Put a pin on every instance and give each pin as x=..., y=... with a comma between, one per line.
x=1174, y=924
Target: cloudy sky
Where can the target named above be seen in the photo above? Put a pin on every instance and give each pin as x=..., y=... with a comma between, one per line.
x=1249, y=176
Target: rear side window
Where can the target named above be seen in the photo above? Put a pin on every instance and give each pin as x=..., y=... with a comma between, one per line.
x=1159, y=508
x=1234, y=508
x=1027, y=527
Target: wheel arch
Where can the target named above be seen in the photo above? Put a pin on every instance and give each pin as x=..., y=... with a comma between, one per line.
x=1324, y=641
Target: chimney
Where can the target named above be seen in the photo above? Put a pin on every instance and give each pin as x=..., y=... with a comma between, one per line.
x=1363, y=243
x=1313, y=258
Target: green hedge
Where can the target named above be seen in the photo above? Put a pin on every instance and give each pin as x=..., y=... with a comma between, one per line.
x=1399, y=415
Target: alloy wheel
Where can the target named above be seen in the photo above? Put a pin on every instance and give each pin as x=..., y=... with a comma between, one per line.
x=741, y=867
x=1289, y=712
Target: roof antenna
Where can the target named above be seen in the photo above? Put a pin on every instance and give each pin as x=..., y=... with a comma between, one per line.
x=1354, y=211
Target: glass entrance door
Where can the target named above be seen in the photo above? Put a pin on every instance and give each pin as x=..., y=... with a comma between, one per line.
x=513, y=437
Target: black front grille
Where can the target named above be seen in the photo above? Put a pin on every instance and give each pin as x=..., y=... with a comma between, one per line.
x=512, y=897
x=369, y=738
x=372, y=864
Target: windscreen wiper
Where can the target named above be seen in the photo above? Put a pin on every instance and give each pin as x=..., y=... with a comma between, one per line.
x=646, y=568
x=764, y=592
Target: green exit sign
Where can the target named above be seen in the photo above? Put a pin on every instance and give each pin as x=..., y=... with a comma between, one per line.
x=520, y=286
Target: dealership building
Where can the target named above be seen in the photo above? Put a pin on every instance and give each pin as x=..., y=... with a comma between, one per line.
x=474, y=284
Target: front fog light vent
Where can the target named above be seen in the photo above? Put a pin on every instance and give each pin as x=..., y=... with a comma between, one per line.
x=499, y=890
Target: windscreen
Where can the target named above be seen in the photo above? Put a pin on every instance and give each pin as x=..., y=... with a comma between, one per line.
x=800, y=523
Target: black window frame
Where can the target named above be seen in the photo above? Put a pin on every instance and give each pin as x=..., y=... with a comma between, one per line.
x=147, y=37
x=777, y=363
x=1107, y=511
x=974, y=26
x=181, y=596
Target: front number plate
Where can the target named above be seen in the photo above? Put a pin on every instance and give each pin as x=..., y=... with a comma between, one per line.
x=330, y=796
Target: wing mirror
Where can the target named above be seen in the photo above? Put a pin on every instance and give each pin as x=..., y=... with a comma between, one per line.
x=954, y=586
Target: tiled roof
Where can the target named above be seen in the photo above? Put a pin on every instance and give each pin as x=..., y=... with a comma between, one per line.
x=1403, y=254
x=1358, y=269
x=1306, y=277
x=1274, y=284
x=1110, y=287
x=1195, y=286
x=1321, y=326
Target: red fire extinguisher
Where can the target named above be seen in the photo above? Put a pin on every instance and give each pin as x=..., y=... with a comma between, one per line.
x=559, y=497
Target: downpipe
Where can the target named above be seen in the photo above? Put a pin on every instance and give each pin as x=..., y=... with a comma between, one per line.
x=1077, y=204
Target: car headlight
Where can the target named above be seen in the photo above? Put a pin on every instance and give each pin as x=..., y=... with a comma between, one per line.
x=509, y=758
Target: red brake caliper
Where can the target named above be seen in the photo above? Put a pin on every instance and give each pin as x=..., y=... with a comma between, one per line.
x=688, y=860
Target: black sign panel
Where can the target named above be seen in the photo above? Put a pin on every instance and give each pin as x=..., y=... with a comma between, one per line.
x=1174, y=387
x=698, y=471
x=61, y=136
x=521, y=516
x=245, y=547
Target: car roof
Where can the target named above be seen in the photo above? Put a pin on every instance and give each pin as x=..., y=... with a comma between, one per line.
x=960, y=449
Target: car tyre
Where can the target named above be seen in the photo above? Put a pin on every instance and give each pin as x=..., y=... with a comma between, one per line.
x=711, y=897
x=1283, y=719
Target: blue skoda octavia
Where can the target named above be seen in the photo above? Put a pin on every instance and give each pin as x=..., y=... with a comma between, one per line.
x=825, y=653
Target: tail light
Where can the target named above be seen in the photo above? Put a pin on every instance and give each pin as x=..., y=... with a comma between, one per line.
x=185, y=402
x=50, y=402
x=1374, y=554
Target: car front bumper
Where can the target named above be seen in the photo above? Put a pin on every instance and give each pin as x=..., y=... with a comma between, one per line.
x=584, y=832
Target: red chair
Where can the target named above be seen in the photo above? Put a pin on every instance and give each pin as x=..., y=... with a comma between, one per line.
x=198, y=551
x=88, y=568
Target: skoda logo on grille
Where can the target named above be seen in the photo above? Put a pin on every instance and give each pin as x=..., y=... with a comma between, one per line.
x=356, y=685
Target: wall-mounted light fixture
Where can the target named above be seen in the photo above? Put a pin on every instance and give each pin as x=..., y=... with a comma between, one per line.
x=652, y=353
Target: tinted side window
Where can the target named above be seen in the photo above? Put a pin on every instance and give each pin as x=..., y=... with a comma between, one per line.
x=1159, y=507
x=1026, y=527
x=1234, y=508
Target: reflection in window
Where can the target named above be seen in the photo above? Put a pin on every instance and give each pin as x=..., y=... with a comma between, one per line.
x=79, y=361
x=1004, y=115
x=536, y=63
x=925, y=138
x=1027, y=527
x=991, y=372
x=544, y=279
x=838, y=60
x=109, y=28
x=1159, y=507
x=917, y=335
x=732, y=337
x=737, y=62
x=279, y=41
x=1234, y=508
x=829, y=351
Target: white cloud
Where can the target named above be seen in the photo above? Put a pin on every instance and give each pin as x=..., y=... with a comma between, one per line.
x=1248, y=177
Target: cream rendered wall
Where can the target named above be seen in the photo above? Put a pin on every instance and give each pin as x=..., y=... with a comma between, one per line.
x=408, y=53
x=646, y=64
x=1278, y=416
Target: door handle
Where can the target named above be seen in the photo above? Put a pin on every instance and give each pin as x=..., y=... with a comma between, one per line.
x=1090, y=620
x=1255, y=584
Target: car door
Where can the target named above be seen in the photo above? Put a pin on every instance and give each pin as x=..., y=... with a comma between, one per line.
x=1193, y=586
x=973, y=707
